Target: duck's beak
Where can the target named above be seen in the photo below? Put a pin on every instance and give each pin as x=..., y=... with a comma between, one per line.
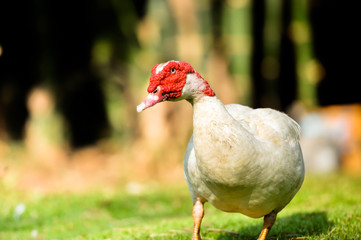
x=152, y=99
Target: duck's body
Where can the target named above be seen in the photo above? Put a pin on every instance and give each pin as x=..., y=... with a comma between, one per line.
x=242, y=159
x=239, y=159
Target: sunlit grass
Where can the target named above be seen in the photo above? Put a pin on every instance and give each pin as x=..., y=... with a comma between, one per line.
x=327, y=207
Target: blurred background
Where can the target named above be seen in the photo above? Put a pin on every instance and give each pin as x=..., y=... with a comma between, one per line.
x=73, y=72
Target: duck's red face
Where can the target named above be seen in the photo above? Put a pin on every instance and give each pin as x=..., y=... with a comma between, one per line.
x=166, y=83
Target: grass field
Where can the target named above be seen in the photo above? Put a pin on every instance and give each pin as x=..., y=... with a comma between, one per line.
x=327, y=207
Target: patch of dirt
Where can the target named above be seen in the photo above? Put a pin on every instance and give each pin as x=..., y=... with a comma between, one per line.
x=87, y=169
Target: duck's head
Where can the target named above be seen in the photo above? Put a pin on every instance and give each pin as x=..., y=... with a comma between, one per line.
x=173, y=81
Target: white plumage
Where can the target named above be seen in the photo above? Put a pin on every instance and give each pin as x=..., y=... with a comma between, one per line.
x=243, y=160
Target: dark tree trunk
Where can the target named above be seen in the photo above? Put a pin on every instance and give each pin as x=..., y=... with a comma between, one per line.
x=18, y=64
x=258, y=18
x=336, y=41
x=79, y=89
x=288, y=81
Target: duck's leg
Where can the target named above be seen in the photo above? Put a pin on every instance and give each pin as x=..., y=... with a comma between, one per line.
x=198, y=212
x=268, y=222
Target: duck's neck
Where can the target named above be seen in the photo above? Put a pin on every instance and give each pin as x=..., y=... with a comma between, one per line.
x=208, y=109
x=196, y=88
x=219, y=140
x=213, y=125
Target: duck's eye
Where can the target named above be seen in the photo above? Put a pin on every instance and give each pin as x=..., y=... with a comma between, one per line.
x=155, y=91
x=172, y=70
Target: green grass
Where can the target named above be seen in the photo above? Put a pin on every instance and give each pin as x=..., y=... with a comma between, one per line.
x=327, y=207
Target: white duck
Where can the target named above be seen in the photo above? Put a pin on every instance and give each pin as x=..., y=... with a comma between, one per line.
x=239, y=159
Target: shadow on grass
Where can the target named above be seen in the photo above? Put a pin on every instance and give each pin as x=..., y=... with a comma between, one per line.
x=291, y=227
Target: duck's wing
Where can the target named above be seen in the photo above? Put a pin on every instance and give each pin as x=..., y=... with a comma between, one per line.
x=266, y=123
